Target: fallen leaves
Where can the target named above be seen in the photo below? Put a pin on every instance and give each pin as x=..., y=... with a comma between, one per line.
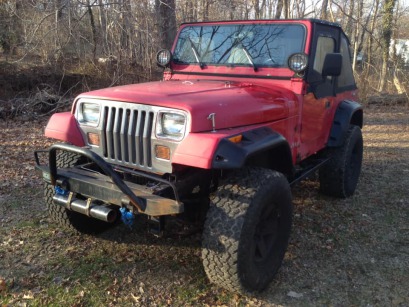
x=3, y=285
x=341, y=251
x=28, y=296
x=294, y=294
x=18, y=142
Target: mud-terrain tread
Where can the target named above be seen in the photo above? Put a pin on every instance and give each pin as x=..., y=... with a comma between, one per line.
x=228, y=219
x=70, y=220
x=336, y=177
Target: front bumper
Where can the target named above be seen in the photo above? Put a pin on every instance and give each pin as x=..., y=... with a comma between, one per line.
x=109, y=187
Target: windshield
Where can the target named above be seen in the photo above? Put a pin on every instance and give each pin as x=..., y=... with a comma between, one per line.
x=262, y=45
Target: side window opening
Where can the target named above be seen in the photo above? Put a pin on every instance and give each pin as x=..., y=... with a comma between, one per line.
x=325, y=45
x=346, y=78
x=319, y=85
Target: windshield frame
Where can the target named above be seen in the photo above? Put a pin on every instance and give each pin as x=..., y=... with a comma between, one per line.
x=250, y=64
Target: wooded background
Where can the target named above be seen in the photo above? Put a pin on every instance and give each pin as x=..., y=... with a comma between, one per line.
x=115, y=41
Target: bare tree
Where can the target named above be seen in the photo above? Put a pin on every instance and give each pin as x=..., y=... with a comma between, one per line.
x=279, y=9
x=167, y=21
x=127, y=33
x=324, y=9
x=103, y=25
x=371, y=31
x=286, y=8
x=387, y=24
x=93, y=29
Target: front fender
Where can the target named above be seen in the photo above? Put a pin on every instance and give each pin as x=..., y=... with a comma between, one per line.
x=260, y=146
x=348, y=112
x=64, y=127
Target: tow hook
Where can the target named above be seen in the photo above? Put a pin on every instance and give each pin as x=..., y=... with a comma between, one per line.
x=156, y=225
x=127, y=217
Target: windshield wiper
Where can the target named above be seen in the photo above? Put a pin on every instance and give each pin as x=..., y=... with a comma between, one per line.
x=196, y=53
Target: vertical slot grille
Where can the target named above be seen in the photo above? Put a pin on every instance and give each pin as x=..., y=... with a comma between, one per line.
x=126, y=135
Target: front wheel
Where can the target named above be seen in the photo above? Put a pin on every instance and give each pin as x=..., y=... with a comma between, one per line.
x=247, y=230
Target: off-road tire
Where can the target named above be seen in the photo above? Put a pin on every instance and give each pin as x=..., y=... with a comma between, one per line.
x=250, y=210
x=71, y=220
x=339, y=177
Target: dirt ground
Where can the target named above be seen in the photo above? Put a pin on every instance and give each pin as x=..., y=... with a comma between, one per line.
x=351, y=252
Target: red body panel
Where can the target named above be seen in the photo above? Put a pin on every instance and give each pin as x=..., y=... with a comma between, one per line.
x=197, y=149
x=317, y=118
x=242, y=105
x=64, y=127
x=252, y=104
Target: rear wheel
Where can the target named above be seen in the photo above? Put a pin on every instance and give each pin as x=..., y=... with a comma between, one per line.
x=339, y=177
x=64, y=217
x=247, y=230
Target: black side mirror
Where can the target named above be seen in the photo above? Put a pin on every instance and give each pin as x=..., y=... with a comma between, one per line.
x=332, y=65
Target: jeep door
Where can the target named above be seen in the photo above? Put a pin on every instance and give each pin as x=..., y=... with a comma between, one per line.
x=320, y=101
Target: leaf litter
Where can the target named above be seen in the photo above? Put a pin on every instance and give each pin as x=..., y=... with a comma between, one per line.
x=342, y=252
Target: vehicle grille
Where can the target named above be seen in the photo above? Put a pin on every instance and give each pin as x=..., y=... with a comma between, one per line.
x=126, y=135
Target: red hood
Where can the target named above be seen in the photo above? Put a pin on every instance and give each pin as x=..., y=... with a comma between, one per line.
x=235, y=104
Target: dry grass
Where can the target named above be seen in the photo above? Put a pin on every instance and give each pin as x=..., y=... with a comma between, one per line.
x=342, y=252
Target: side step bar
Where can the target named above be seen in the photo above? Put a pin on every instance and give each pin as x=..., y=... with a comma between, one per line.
x=299, y=176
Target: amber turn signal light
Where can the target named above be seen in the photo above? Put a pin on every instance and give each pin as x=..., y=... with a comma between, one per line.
x=162, y=152
x=93, y=138
x=236, y=138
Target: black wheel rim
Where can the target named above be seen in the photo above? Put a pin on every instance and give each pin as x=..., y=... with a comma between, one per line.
x=266, y=234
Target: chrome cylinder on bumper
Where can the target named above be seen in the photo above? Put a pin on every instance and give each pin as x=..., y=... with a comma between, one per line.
x=86, y=207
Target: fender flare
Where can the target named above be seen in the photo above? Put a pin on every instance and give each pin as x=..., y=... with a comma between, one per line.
x=348, y=112
x=260, y=141
x=64, y=127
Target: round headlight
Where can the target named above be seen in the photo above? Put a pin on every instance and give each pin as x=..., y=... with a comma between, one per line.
x=163, y=57
x=298, y=62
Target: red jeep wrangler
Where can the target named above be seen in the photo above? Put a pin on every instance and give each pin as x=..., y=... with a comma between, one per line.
x=245, y=110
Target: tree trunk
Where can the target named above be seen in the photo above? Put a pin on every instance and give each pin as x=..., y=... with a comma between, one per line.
x=103, y=24
x=231, y=10
x=247, y=10
x=190, y=10
x=279, y=9
x=357, y=34
x=286, y=8
x=166, y=22
x=204, y=10
x=387, y=24
x=263, y=10
x=371, y=36
x=300, y=5
x=324, y=10
x=93, y=30
x=256, y=5
x=349, y=28
x=270, y=9
x=15, y=36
